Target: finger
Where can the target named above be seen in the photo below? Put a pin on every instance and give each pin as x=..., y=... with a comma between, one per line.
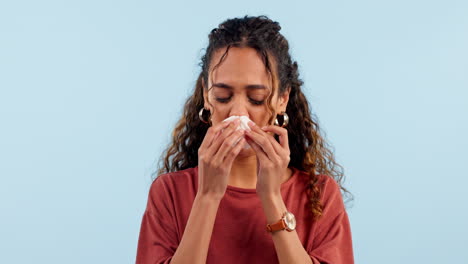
x=224, y=133
x=212, y=133
x=219, y=130
x=261, y=138
x=281, y=132
x=261, y=155
x=229, y=143
x=276, y=146
x=282, y=146
x=231, y=155
x=214, y=147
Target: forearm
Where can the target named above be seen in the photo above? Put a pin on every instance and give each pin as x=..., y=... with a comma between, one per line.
x=193, y=247
x=289, y=248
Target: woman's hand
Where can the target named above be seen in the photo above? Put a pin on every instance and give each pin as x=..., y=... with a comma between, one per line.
x=272, y=157
x=215, y=157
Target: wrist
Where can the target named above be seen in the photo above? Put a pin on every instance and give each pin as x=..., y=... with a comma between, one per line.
x=209, y=198
x=270, y=197
x=273, y=207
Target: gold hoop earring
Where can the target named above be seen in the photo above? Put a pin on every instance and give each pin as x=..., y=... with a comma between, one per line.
x=284, y=117
x=201, y=114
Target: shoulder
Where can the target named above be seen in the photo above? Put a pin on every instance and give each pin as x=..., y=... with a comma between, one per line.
x=330, y=196
x=330, y=192
x=174, y=183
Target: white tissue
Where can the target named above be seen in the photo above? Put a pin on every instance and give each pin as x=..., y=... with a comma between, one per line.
x=243, y=125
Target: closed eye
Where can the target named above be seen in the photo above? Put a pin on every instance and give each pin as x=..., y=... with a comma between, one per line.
x=225, y=100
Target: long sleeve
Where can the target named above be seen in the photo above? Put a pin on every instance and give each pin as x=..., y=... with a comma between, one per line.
x=157, y=240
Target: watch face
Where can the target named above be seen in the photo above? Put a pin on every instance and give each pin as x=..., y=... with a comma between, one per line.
x=290, y=220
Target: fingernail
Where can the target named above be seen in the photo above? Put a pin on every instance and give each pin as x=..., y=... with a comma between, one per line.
x=251, y=123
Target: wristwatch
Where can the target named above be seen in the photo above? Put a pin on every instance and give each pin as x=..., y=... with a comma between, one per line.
x=287, y=221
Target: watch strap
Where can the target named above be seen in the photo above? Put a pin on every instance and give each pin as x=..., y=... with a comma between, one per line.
x=280, y=225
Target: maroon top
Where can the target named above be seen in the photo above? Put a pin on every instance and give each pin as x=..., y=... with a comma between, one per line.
x=170, y=200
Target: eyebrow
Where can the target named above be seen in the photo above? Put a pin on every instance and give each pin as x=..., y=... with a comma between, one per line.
x=249, y=87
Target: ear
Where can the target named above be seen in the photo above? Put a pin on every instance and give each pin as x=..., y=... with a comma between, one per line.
x=283, y=100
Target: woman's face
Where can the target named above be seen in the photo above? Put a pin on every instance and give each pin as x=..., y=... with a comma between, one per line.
x=241, y=85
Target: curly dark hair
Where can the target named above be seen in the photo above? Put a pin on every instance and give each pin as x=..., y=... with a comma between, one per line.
x=310, y=152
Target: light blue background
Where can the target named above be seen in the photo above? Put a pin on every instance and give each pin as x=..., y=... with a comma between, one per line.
x=91, y=90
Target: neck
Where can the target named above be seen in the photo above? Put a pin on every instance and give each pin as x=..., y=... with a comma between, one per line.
x=244, y=172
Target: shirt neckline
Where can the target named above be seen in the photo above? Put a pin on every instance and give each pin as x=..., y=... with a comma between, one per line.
x=284, y=185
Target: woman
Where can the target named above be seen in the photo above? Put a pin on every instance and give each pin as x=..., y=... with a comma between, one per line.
x=266, y=194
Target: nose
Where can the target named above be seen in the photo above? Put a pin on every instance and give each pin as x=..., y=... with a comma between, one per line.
x=239, y=108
